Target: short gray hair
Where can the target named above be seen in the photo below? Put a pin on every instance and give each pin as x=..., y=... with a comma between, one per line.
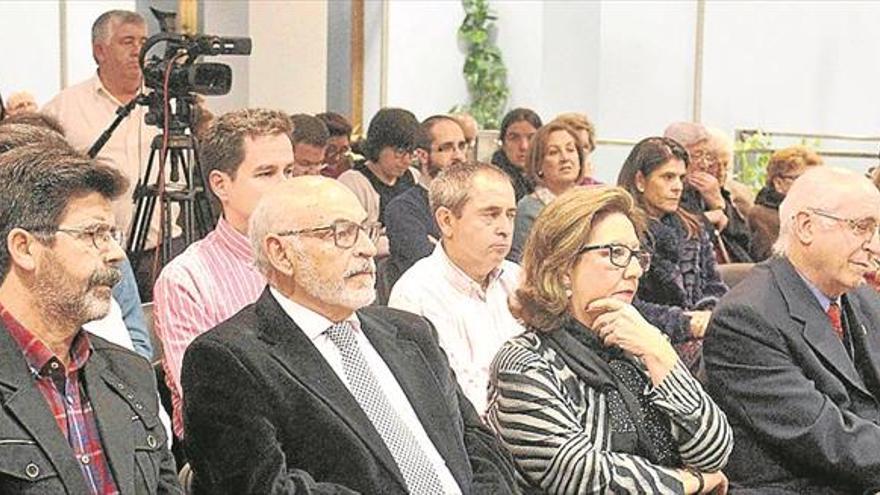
x=451, y=188
x=101, y=26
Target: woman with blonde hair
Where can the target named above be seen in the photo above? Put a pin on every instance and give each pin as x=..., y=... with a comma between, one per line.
x=554, y=165
x=592, y=398
x=784, y=167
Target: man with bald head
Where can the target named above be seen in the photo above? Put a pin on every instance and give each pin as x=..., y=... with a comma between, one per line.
x=309, y=390
x=793, y=352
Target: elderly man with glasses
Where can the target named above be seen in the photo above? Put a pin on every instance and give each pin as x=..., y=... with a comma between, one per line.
x=793, y=352
x=245, y=153
x=309, y=390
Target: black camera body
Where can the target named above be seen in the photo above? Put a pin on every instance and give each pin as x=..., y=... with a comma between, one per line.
x=178, y=75
x=188, y=76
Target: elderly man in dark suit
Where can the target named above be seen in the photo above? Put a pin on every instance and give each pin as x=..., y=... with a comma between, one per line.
x=79, y=414
x=793, y=352
x=308, y=390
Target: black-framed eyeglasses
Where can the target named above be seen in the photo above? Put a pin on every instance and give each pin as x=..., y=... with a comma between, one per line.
x=860, y=227
x=400, y=151
x=100, y=235
x=345, y=232
x=621, y=256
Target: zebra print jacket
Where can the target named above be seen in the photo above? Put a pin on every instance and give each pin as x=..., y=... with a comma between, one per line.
x=558, y=428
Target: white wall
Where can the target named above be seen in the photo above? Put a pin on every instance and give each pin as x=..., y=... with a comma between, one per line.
x=81, y=14
x=797, y=66
x=288, y=65
x=424, y=58
x=31, y=44
x=793, y=66
x=37, y=68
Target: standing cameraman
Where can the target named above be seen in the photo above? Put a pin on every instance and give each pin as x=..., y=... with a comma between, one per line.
x=86, y=109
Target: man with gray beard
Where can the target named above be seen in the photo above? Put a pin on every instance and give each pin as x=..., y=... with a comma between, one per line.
x=308, y=390
x=80, y=415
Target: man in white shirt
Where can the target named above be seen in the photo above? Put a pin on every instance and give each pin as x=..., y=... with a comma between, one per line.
x=310, y=389
x=464, y=285
x=87, y=109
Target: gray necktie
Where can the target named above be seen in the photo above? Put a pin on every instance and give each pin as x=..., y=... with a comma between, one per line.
x=419, y=473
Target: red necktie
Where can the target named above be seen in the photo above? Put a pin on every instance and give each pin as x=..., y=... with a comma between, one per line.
x=833, y=313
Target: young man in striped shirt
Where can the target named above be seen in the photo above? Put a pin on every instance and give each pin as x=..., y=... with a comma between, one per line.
x=244, y=152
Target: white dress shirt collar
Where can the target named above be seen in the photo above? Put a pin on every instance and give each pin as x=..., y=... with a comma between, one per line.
x=310, y=322
x=460, y=280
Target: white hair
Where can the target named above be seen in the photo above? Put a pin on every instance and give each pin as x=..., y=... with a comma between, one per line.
x=263, y=222
x=823, y=188
x=720, y=141
x=101, y=29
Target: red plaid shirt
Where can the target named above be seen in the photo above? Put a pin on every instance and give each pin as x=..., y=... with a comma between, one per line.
x=67, y=399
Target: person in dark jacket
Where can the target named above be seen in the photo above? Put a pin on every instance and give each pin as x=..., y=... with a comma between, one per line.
x=309, y=390
x=793, y=351
x=784, y=167
x=682, y=286
x=517, y=130
x=80, y=414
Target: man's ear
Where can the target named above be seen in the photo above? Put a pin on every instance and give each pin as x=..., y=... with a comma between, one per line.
x=445, y=221
x=22, y=245
x=804, y=226
x=219, y=183
x=278, y=256
x=99, y=52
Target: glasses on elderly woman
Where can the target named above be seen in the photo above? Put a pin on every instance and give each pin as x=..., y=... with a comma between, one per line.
x=621, y=256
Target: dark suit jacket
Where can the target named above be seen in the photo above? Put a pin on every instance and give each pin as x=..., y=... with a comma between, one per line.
x=264, y=413
x=35, y=458
x=804, y=419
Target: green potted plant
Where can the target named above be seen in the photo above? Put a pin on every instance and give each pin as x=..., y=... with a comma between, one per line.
x=484, y=69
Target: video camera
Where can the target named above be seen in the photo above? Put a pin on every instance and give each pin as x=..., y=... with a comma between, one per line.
x=178, y=75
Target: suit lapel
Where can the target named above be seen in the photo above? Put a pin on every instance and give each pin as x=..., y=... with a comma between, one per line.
x=290, y=346
x=861, y=335
x=413, y=373
x=819, y=334
x=113, y=417
x=22, y=400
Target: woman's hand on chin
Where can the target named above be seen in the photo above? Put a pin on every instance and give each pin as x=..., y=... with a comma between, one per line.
x=620, y=324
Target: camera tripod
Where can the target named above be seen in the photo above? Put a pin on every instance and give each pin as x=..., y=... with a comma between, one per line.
x=196, y=213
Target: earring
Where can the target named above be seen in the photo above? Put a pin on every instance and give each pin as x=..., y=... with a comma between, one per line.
x=568, y=293
x=540, y=173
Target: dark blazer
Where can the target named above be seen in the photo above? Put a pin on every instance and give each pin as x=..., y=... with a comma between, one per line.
x=805, y=420
x=35, y=458
x=264, y=412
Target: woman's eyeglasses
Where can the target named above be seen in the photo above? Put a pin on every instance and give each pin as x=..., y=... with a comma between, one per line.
x=621, y=256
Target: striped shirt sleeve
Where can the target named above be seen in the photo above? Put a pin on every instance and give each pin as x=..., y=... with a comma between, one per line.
x=698, y=424
x=559, y=445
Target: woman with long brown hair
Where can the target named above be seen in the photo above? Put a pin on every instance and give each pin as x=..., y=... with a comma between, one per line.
x=680, y=290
